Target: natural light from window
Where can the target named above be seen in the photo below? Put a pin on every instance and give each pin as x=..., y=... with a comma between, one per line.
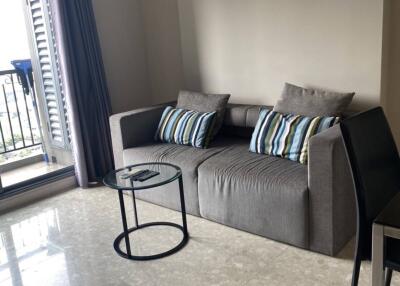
x=14, y=43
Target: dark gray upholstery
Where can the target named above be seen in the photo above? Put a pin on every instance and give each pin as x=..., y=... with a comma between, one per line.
x=257, y=193
x=240, y=119
x=241, y=115
x=133, y=128
x=187, y=158
x=205, y=103
x=310, y=207
x=332, y=202
x=312, y=102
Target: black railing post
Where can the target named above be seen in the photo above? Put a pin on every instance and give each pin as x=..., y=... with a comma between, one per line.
x=18, y=114
x=9, y=117
x=29, y=118
x=4, y=134
x=2, y=137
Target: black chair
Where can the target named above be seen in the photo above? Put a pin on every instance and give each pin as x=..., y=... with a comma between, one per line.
x=375, y=165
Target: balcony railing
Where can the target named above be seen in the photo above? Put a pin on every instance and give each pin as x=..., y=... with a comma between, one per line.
x=19, y=122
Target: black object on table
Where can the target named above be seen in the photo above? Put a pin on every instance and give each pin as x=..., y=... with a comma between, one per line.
x=168, y=173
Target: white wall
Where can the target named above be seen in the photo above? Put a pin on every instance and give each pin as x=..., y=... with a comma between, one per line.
x=153, y=48
x=391, y=66
x=250, y=48
x=121, y=32
x=164, y=55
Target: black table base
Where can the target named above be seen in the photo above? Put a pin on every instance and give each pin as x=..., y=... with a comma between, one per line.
x=125, y=234
x=120, y=237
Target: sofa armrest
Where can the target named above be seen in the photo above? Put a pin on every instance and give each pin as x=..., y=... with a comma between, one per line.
x=331, y=193
x=133, y=128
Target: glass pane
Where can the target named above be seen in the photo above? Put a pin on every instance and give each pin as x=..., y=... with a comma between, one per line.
x=26, y=149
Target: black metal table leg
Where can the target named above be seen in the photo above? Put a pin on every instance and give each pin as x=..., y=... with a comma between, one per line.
x=134, y=209
x=124, y=224
x=134, y=206
x=183, y=208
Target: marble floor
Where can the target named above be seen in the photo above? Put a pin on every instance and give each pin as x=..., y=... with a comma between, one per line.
x=67, y=240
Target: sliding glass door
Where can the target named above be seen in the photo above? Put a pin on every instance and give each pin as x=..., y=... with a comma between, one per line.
x=34, y=133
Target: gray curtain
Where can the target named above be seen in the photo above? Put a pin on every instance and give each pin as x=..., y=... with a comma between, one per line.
x=85, y=88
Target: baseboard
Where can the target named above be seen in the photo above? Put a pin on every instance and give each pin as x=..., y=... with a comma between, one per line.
x=28, y=197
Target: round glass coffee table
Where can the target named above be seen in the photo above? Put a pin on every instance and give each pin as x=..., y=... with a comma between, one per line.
x=167, y=174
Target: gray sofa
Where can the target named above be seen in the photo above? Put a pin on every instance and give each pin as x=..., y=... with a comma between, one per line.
x=311, y=207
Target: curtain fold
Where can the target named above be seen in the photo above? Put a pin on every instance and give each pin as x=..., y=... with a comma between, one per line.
x=85, y=88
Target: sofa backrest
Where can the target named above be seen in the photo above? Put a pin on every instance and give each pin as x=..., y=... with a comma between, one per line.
x=240, y=119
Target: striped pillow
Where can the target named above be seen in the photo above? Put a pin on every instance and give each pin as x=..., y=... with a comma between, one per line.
x=287, y=135
x=185, y=127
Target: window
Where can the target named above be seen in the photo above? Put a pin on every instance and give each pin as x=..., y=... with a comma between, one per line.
x=34, y=131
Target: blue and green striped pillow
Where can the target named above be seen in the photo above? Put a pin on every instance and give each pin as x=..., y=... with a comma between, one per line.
x=287, y=135
x=185, y=127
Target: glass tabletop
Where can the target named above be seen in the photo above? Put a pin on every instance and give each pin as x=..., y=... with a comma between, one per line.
x=167, y=173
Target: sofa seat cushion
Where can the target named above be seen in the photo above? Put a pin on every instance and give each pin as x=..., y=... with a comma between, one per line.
x=261, y=194
x=187, y=158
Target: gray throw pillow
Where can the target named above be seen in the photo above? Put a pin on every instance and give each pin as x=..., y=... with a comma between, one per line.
x=202, y=102
x=312, y=102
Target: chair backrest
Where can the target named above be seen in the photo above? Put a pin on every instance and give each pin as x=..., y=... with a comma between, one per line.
x=375, y=164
